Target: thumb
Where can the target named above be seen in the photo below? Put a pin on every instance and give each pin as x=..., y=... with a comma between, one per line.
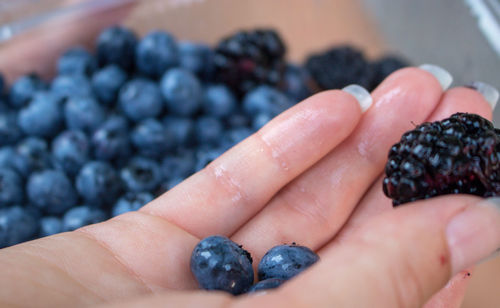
x=398, y=259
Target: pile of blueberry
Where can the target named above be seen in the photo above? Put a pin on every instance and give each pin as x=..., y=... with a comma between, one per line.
x=218, y=263
x=120, y=126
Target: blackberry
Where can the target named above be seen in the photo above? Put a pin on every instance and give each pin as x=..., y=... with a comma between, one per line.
x=250, y=58
x=385, y=66
x=460, y=154
x=339, y=67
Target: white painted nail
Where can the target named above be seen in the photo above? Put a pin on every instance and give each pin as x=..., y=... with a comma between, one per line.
x=362, y=95
x=443, y=76
x=489, y=92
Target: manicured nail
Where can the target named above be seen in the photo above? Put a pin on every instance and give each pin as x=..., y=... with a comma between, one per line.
x=489, y=92
x=361, y=95
x=445, y=79
x=474, y=234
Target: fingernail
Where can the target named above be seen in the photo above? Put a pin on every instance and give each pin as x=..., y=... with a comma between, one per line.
x=361, y=95
x=489, y=92
x=474, y=234
x=443, y=76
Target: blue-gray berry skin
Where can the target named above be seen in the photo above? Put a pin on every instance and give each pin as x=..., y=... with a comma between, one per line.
x=260, y=120
x=235, y=136
x=156, y=53
x=182, y=91
x=219, y=101
x=218, y=263
x=141, y=174
x=9, y=158
x=208, y=130
x=43, y=116
x=23, y=90
x=17, y=225
x=286, y=261
x=76, y=60
x=206, y=156
x=83, y=113
x=10, y=132
x=271, y=283
x=50, y=225
x=116, y=45
x=51, y=191
x=198, y=59
x=34, y=154
x=296, y=83
x=98, y=183
x=70, y=151
x=179, y=166
x=131, y=202
x=181, y=129
x=140, y=99
x=265, y=99
x=107, y=82
x=111, y=140
x=151, y=139
x=64, y=86
x=11, y=187
x=80, y=216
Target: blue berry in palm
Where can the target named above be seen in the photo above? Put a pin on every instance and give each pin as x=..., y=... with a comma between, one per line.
x=23, y=90
x=11, y=187
x=156, y=53
x=76, y=60
x=43, y=117
x=17, y=225
x=70, y=151
x=218, y=263
x=179, y=166
x=131, y=201
x=10, y=132
x=81, y=216
x=140, y=99
x=98, y=184
x=265, y=99
x=9, y=158
x=51, y=191
x=286, y=261
x=141, y=174
x=151, y=139
x=182, y=91
x=116, y=45
x=219, y=101
x=50, y=225
x=34, y=153
x=208, y=130
x=107, y=82
x=296, y=83
x=180, y=128
x=385, y=66
x=197, y=58
x=83, y=113
x=64, y=86
x=267, y=284
x=111, y=140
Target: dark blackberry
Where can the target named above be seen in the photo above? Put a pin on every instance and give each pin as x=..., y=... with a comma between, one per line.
x=250, y=58
x=385, y=66
x=460, y=154
x=339, y=67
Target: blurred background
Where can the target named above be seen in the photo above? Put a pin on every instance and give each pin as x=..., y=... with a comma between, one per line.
x=463, y=36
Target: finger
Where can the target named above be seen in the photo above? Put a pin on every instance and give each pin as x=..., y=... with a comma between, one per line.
x=229, y=191
x=400, y=258
x=452, y=295
x=314, y=206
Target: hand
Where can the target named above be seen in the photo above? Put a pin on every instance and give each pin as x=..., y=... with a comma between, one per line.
x=311, y=176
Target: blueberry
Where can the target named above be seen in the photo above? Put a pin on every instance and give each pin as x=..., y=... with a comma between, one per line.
x=208, y=130
x=218, y=263
x=265, y=99
x=218, y=101
x=296, y=83
x=151, y=139
x=83, y=113
x=51, y=191
x=237, y=120
x=180, y=128
x=116, y=45
x=107, y=82
x=2, y=84
x=9, y=158
x=197, y=58
x=140, y=99
x=17, y=225
x=111, y=140
x=43, y=117
x=131, y=202
x=98, y=183
x=286, y=261
x=50, y=225
x=23, y=90
x=34, y=153
x=235, y=136
x=271, y=283
x=11, y=187
x=205, y=157
x=156, y=53
x=180, y=166
x=182, y=91
x=81, y=216
x=64, y=86
x=71, y=151
x=10, y=132
x=76, y=60
x=141, y=174
x=260, y=120
x=171, y=183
